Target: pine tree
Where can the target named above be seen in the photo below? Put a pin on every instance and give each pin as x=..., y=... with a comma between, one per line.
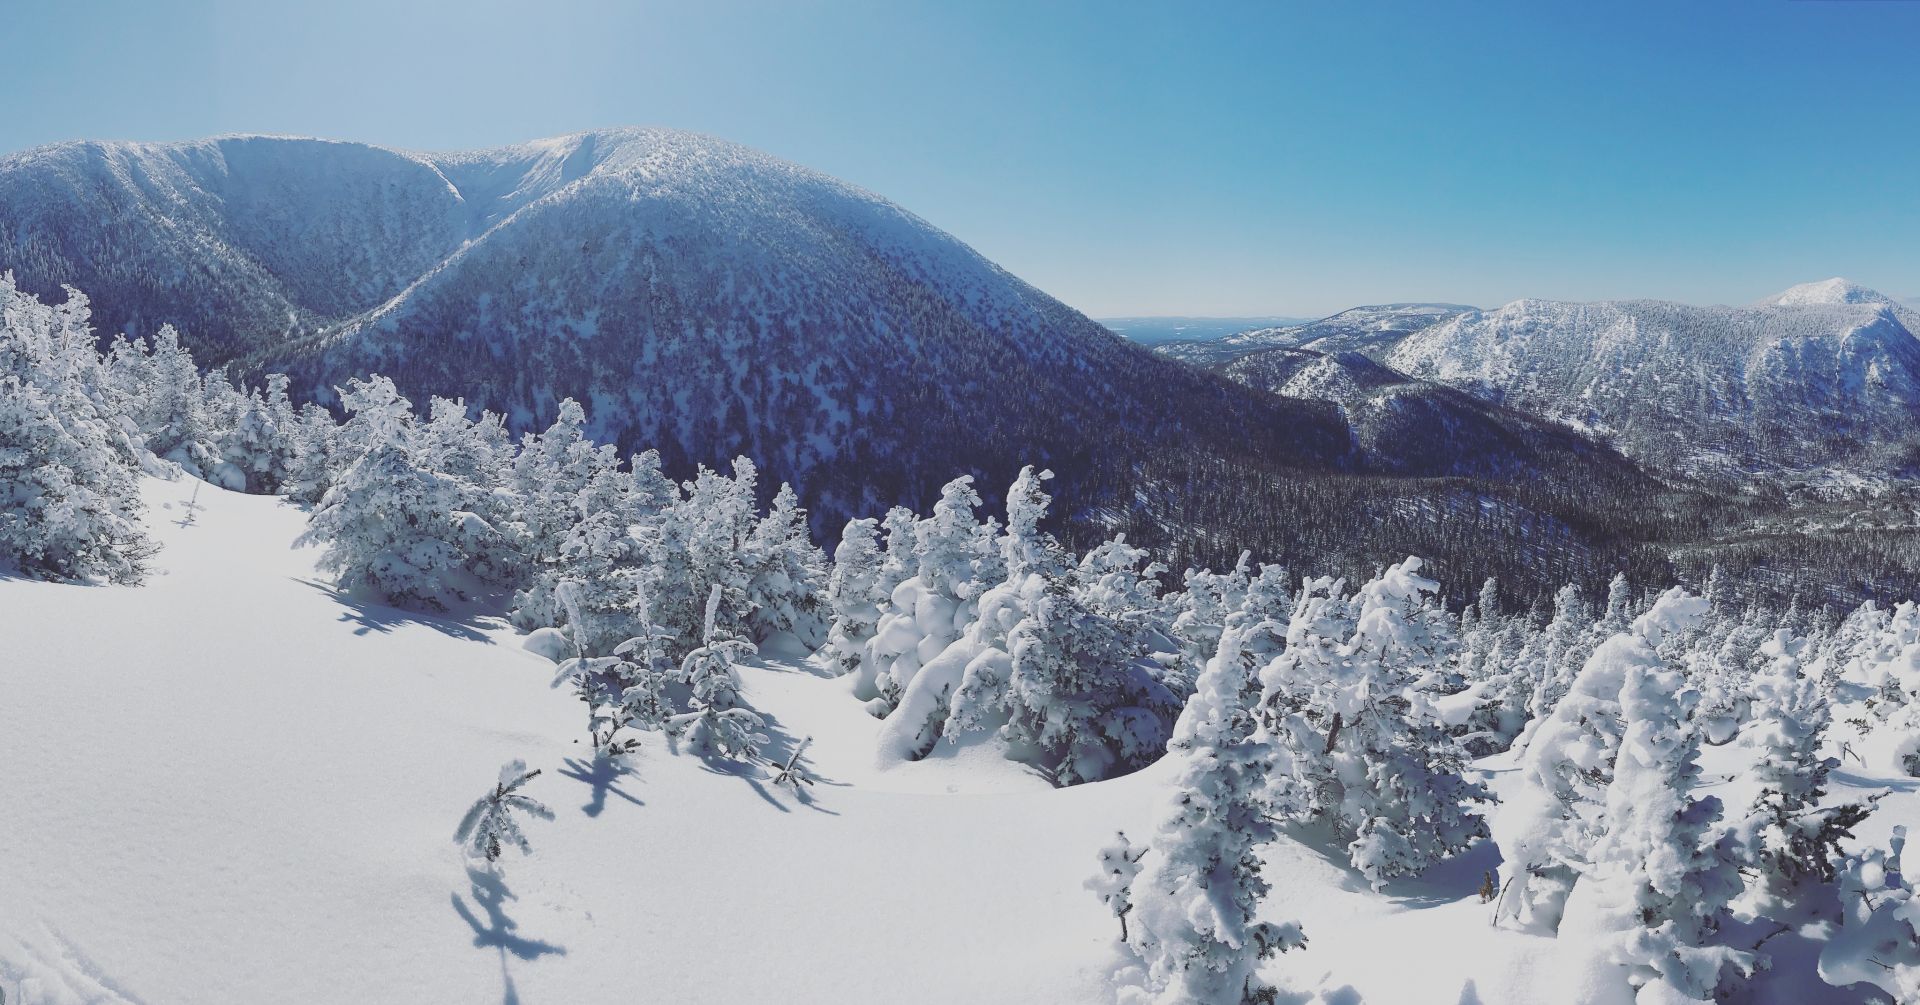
x=786, y=575
x=718, y=725
x=490, y=826
x=69, y=503
x=1878, y=942
x=1792, y=840
x=1200, y=885
x=1658, y=878
x=1368, y=753
x=389, y=526
x=853, y=595
x=1548, y=827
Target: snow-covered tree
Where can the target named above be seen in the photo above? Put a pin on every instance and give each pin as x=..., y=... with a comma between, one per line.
x=786, y=575
x=390, y=526
x=259, y=442
x=1547, y=827
x=1368, y=753
x=1113, y=884
x=1792, y=840
x=69, y=503
x=1878, y=942
x=1200, y=884
x=1078, y=693
x=490, y=826
x=930, y=610
x=1659, y=877
x=718, y=725
x=853, y=595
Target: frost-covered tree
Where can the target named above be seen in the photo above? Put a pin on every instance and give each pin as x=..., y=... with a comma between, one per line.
x=489, y=827
x=1202, y=609
x=644, y=671
x=786, y=575
x=718, y=724
x=1792, y=840
x=1077, y=694
x=319, y=454
x=258, y=444
x=1546, y=827
x=69, y=503
x=1556, y=657
x=1368, y=753
x=172, y=405
x=1113, y=884
x=930, y=610
x=853, y=595
x=1659, y=878
x=1878, y=942
x=1200, y=884
x=390, y=526
x=702, y=544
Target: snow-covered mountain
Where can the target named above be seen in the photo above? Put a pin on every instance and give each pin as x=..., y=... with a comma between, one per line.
x=698, y=296
x=1370, y=330
x=1820, y=384
x=1420, y=427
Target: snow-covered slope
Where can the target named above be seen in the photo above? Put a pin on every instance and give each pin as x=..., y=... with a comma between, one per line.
x=1370, y=330
x=1821, y=391
x=244, y=791
x=700, y=297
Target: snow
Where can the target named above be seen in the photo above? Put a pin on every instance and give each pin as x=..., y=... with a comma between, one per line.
x=233, y=784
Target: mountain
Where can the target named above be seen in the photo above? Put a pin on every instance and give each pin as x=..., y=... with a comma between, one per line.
x=697, y=296
x=1819, y=386
x=1368, y=330
x=1827, y=291
x=1409, y=426
x=1154, y=330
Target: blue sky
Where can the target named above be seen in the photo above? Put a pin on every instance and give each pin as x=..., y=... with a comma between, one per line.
x=1271, y=158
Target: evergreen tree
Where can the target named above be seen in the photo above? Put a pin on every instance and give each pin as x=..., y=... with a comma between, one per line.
x=853, y=595
x=490, y=826
x=1200, y=885
x=718, y=725
x=1658, y=878
x=1792, y=840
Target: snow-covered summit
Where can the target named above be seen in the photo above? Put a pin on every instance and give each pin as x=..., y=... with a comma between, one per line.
x=1827, y=291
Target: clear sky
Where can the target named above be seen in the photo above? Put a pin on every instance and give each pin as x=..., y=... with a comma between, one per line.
x=1130, y=158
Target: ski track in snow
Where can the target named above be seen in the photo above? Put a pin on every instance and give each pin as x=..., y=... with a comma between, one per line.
x=233, y=785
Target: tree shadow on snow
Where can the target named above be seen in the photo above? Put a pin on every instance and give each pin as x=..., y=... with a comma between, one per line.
x=376, y=617
x=1856, y=780
x=498, y=931
x=1448, y=881
x=603, y=776
x=758, y=773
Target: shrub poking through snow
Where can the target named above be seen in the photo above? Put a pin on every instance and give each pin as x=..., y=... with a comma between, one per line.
x=490, y=825
x=1113, y=884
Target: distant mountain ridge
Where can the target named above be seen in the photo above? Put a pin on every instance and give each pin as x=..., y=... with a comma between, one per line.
x=1155, y=330
x=1360, y=329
